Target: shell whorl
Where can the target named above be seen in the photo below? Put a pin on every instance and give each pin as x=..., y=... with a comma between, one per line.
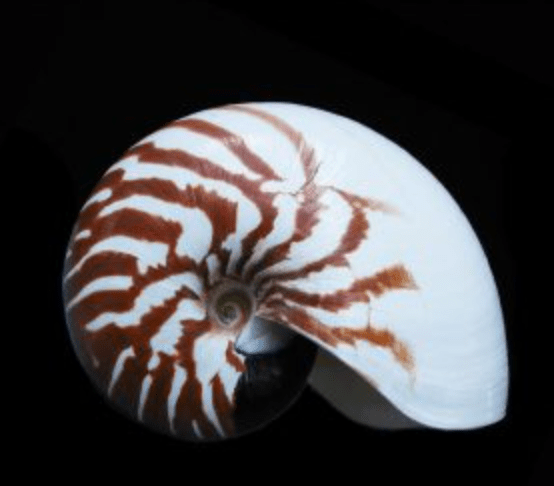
x=221, y=224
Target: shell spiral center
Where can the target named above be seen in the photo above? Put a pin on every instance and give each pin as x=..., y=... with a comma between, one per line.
x=231, y=304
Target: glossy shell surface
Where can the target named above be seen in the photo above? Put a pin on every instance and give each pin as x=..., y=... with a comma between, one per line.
x=214, y=258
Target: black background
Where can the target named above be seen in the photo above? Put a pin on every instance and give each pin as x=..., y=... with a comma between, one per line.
x=86, y=82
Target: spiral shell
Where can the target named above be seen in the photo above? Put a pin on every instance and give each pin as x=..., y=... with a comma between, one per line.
x=219, y=253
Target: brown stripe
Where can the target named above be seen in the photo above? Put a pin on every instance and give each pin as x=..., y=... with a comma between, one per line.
x=100, y=265
x=299, y=318
x=307, y=155
x=148, y=152
x=233, y=359
x=307, y=213
x=191, y=395
x=356, y=201
x=333, y=302
x=223, y=407
x=220, y=211
x=131, y=223
x=122, y=301
x=392, y=278
x=87, y=214
x=189, y=404
x=317, y=266
x=107, y=344
x=126, y=391
x=155, y=408
x=205, y=168
x=307, y=218
x=233, y=142
x=355, y=234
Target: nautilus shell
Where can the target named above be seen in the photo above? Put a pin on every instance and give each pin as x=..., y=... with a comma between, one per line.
x=237, y=254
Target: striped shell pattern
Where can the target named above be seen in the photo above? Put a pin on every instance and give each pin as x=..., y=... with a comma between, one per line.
x=216, y=259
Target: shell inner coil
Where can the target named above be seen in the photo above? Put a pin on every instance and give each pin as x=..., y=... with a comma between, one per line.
x=231, y=305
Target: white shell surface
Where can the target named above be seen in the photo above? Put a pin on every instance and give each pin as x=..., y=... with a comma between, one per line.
x=354, y=397
x=452, y=323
